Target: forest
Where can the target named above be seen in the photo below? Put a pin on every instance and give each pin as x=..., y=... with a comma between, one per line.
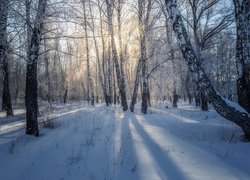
x=134, y=72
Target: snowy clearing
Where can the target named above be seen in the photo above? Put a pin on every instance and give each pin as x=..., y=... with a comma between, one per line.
x=106, y=143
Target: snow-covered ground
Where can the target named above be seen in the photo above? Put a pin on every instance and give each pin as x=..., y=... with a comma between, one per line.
x=106, y=143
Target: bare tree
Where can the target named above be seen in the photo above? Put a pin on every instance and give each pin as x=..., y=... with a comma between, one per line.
x=142, y=67
x=240, y=118
x=120, y=80
x=170, y=46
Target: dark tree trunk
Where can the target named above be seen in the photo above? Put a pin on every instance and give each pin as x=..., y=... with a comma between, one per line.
x=189, y=99
x=204, y=103
x=65, y=95
x=240, y=118
x=4, y=57
x=242, y=16
x=149, y=101
x=31, y=74
x=184, y=97
x=6, y=101
x=143, y=30
x=197, y=96
x=243, y=91
x=175, y=99
x=187, y=83
x=31, y=98
x=144, y=103
x=93, y=100
x=114, y=86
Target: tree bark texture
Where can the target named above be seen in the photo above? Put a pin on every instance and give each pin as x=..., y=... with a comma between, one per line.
x=6, y=104
x=143, y=55
x=242, y=16
x=31, y=74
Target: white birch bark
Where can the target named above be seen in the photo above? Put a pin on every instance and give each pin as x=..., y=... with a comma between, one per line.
x=120, y=81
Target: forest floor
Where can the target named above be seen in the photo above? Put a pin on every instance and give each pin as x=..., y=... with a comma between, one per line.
x=85, y=142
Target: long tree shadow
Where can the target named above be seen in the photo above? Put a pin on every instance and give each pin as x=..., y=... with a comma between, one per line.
x=166, y=167
x=12, y=119
x=125, y=159
x=192, y=137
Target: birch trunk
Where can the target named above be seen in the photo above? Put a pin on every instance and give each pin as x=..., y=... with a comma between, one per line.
x=143, y=29
x=123, y=81
x=242, y=16
x=120, y=80
x=240, y=118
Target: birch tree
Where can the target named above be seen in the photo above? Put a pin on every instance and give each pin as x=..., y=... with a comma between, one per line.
x=142, y=66
x=170, y=45
x=143, y=55
x=194, y=63
x=31, y=72
x=120, y=78
x=242, y=16
x=202, y=13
